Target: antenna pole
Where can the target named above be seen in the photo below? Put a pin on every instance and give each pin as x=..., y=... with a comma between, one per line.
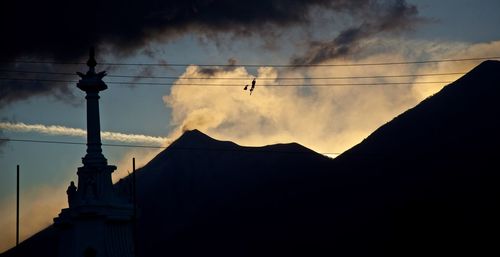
x=134, y=199
x=17, y=208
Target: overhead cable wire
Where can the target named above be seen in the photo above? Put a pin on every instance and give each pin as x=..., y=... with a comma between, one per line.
x=259, y=65
x=233, y=85
x=241, y=78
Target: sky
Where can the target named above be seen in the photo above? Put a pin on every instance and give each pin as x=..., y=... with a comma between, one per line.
x=328, y=119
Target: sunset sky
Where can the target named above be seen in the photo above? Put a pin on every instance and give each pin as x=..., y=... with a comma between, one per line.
x=255, y=39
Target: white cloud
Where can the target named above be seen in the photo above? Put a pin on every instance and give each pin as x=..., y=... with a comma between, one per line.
x=66, y=131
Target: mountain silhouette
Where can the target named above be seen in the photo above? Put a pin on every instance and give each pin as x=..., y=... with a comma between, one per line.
x=218, y=195
x=424, y=184
x=434, y=170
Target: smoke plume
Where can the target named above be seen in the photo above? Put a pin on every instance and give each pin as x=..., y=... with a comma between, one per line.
x=325, y=119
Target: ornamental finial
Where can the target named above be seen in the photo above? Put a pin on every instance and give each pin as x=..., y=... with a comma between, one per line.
x=91, y=62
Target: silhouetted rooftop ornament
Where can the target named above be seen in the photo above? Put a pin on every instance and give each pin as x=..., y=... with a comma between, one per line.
x=71, y=191
x=91, y=61
x=92, y=81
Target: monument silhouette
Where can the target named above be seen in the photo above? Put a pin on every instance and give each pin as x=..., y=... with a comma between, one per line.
x=98, y=222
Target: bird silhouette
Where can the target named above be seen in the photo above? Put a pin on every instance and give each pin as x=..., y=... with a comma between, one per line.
x=253, y=86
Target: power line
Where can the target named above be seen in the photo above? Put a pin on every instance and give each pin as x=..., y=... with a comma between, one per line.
x=242, y=78
x=235, y=85
x=246, y=149
x=258, y=65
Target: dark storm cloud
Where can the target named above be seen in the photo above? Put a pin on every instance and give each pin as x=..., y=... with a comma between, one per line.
x=210, y=72
x=385, y=17
x=63, y=30
x=15, y=86
x=11, y=91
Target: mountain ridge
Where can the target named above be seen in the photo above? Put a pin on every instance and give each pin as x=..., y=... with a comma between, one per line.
x=456, y=94
x=198, y=138
x=197, y=141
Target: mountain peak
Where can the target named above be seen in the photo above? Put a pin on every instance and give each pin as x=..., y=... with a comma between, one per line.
x=193, y=137
x=485, y=71
x=197, y=139
x=488, y=64
x=478, y=87
x=194, y=133
x=486, y=68
x=454, y=116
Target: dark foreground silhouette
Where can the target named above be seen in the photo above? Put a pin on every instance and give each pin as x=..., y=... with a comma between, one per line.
x=424, y=184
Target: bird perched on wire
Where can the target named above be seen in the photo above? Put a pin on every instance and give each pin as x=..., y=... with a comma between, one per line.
x=253, y=86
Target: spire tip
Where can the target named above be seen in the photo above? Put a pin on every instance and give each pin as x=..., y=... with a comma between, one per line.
x=91, y=62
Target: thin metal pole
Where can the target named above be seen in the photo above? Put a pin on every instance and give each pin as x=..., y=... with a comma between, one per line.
x=134, y=199
x=17, y=208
